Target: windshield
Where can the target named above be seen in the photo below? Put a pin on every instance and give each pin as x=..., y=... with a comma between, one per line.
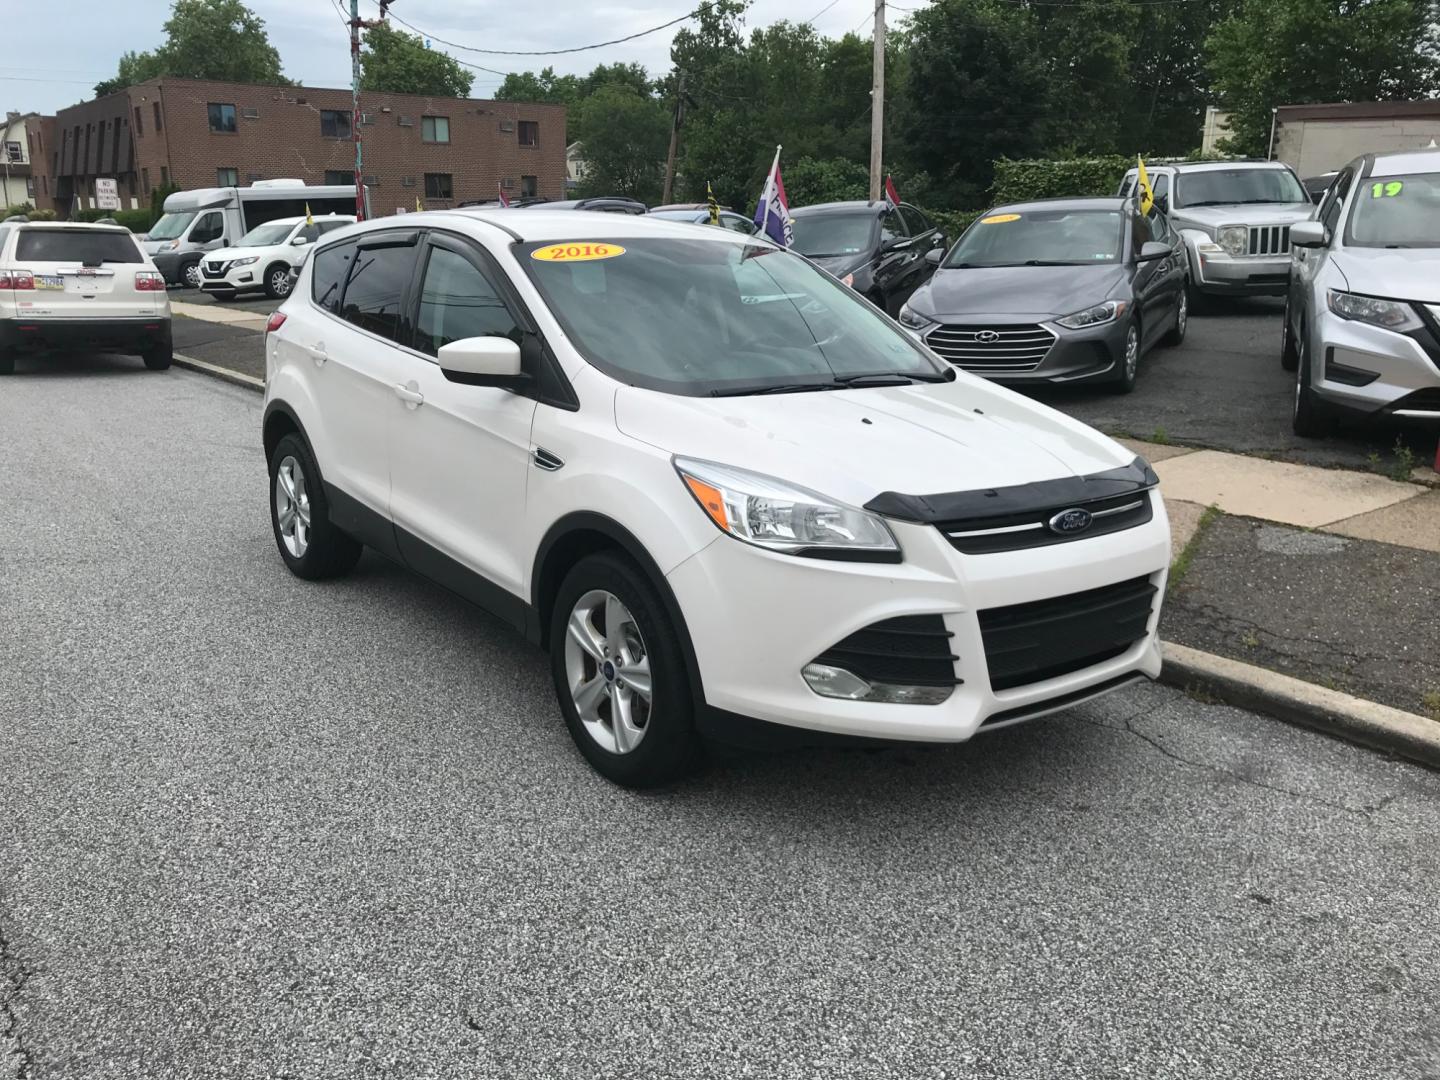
x=267, y=235
x=818, y=235
x=705, y=316
x=1396, y=212
x=1223, y=187
x=171, y=226
x=1041, y=238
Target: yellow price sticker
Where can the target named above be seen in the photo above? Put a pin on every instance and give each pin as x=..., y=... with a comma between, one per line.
x=576, y=252
x=999, y=219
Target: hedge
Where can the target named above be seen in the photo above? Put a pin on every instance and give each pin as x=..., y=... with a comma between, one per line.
x=1021, y=181
x=137, y=221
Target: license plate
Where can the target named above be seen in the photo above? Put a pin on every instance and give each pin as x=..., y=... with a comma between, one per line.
x=49, y=281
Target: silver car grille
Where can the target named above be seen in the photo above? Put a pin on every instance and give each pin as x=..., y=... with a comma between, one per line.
x=992, y=349
x=1269, y=240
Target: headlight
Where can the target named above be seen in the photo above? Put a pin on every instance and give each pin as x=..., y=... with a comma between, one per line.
x=247, y=261
x=911, y=320
x=1390, y=314
x=1235, y=239
x=1109, y=311
x=783, y=517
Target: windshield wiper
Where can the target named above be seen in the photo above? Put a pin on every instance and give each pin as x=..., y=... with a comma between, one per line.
x=859, y=381
x=774, y=388
x=1057, y=262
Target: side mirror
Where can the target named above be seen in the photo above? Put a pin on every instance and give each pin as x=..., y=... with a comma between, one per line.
x=299, y=241
x=934, y=255
x=483, y=361
x=1308, y=234
x=1153, y=250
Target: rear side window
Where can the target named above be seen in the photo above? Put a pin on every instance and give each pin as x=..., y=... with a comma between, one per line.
x=458, y=301
x=86, y=246
x=327, y=280
x=915, y=220
x=375, y=290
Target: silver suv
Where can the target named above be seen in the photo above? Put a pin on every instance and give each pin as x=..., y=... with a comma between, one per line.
x=1234, y=218
x=1362, y=323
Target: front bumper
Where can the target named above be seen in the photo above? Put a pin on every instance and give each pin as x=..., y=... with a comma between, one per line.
x=109, y=335
x=1374, y=370
x=756, y=619
x=1227, y=275
x=234, y=279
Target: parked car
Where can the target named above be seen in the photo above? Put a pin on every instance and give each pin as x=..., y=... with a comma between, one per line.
x=1055, y=291
x=263, y=259
x=617, y=204
x=877, y=249
x=723, y=490
x=1362, y=319
x=204, y=220
x=517, y=201
x=73, y=285
x=700, y=215
x=1234, y=218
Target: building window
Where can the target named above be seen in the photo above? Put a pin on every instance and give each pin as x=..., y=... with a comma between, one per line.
x=139, y=123
x=434, y=129
x=30, y=187
x=227, y=177
x=528, y=186
x=222, y=118
x=159, y=122
x=529, y=133
x=13, y=152
x=145, y=180
x=340, y=177
x=437, y=185
x=164, y=178
x=334, y=124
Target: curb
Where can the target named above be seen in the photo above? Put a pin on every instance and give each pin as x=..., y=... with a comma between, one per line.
x=225, y=374
x=1295, y=701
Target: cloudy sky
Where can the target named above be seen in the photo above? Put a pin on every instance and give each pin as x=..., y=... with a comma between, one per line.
x=50, y=63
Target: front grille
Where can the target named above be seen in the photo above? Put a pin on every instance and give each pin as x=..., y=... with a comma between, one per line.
x=1030, y=528
x=911, y=650
x=1270, y=240
x=1029, y=643
x=214, y=269
x=992, y=349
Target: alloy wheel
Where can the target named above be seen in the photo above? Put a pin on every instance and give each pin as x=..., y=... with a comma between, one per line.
x=280, y=282
x=192, y=276
x=292, y=507
x=607, y=669
x=1132, y=352
x=1182, y=314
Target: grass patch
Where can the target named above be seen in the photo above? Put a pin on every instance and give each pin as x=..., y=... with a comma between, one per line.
x=1181, y=566
x=1404, y=463
x=1250, y=640
x=1160, y=437
x=1431, y=700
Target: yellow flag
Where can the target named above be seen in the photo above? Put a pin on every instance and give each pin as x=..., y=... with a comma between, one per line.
x=711, y=204
x=1142, y=181
x=419, y=206
x=308, y=219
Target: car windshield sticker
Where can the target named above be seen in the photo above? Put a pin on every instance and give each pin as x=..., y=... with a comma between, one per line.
x=999, y=219
x=576, y=252
x=1387, y=190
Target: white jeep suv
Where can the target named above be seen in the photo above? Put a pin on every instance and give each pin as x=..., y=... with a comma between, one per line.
x=74, y=285
x=724, y=491
x=263, y=260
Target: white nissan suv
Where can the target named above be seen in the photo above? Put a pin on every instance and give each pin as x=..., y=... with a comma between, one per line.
x=722, y=490
x=265, y=258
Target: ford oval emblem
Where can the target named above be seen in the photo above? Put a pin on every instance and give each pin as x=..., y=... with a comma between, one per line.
x=1070, y=522
x=988, y=336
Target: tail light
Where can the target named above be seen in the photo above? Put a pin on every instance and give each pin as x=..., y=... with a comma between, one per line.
x=149, y=281
x=17, y=280
x=276, y=320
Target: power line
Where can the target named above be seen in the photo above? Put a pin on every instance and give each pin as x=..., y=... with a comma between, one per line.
x=811, y=20
x=551, y=52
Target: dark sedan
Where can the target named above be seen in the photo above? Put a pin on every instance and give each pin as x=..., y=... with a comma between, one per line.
x=700, y=215
x=877, y=249
x=1057, y=291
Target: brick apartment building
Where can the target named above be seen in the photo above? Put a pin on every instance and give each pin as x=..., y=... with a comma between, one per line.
x=199, y=134
x=25, y=159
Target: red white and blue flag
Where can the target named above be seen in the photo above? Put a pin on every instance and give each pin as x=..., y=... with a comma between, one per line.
x=772, y=216
x=504, y=199
x=891, y=195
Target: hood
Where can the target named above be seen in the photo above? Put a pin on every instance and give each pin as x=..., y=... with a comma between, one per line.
x=154, y=247
x=1409, y=274
x=1212, y=217
x=1041, y=292
x=919, y=440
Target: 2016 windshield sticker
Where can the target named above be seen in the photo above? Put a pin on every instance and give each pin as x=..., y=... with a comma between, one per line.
x=576, y=252
x=1387, y=190
x=999, y=219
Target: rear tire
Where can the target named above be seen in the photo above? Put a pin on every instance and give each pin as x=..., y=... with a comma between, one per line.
x=1176, y=336
x=7, y=361
x=159, y=358
x=1312, y=418
x=656, y=742
x=1289, y=353
x=311, y=546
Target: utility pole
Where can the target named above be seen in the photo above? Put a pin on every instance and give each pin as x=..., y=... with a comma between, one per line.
x=877, y=104
x=679, y=118
x=356, y=25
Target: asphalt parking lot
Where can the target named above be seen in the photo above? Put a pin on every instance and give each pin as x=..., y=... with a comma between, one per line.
x=252, y=827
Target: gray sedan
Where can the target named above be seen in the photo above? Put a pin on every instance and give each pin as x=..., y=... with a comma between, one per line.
x=1362, y=321
x=1057, y=291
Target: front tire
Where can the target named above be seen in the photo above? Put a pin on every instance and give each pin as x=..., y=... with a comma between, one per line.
x=277, y=281
x=620, y=675
x=1311, y=418
x=191, y=275
x=312, y=547
x=1129, y=360
x=1200, y=302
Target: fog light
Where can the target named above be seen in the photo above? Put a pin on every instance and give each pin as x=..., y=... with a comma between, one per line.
x=836, y=682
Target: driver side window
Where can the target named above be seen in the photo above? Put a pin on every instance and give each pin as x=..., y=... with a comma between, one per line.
x=892, y=227
x=1335, y=200
x=209, y=227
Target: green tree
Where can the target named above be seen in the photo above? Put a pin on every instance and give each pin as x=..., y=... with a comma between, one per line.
x=1294, y=52
x=397, y=62
x=205, y=39
x=545, y=88
x=1087, y=50
x=625, y=135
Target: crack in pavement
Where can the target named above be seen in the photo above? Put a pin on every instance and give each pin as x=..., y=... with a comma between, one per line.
x=13, y=977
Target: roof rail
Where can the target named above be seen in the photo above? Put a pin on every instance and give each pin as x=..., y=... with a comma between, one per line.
x=14, y=217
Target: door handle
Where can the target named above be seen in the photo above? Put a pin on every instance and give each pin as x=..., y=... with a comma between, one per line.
x=318, y=354
x=409, y=396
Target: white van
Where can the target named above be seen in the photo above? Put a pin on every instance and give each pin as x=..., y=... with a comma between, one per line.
x=208, y=219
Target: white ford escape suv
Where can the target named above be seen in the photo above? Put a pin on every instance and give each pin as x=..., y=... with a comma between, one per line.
x=717, y=485
x=72, y=285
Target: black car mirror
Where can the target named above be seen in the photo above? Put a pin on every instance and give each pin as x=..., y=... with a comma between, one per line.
x=934, y=255
x=1153, y=250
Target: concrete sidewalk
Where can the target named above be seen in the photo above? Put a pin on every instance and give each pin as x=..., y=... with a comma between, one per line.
x=246, y=320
